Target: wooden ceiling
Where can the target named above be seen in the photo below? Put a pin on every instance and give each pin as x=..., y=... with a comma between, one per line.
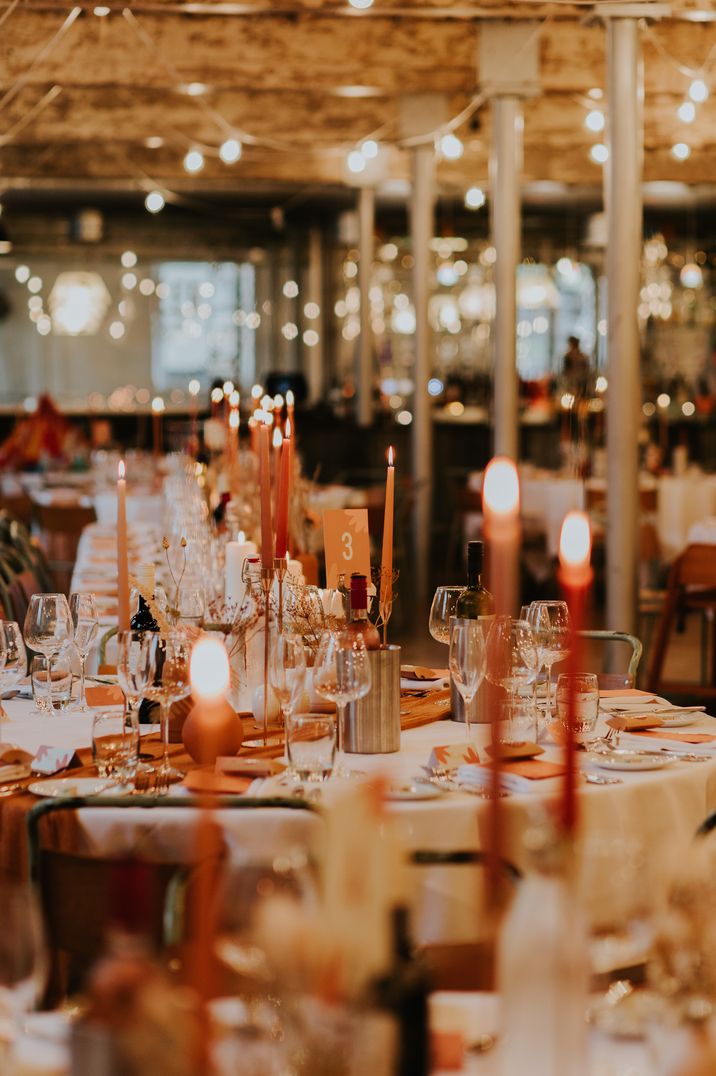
x=307, y=79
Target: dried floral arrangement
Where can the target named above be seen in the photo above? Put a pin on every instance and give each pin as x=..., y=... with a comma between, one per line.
x=173, y=608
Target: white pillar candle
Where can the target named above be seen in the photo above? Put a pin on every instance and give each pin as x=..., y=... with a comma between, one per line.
x=234, y=586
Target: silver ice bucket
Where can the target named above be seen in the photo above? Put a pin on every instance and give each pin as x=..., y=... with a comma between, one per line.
x=372, y=724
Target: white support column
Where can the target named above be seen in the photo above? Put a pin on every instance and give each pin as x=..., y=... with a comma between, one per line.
x=364, y=373
x=505, y=221
x=314, y=357
x=622, y=199
x=421, y=230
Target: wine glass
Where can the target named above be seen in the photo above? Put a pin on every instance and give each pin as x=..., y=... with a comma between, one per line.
x=287, y=672
x=13, y=657
x=512, y=654
x=48, y=627
x=442, y=609
x=168, y=682
x=341, y=673
x=551, y=622
x=191, y=605
x=467, y=661
x=86, y=622
x=135, y=669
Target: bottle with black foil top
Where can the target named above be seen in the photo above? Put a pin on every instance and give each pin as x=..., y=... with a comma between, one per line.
x=403, y=993
x=143, y=620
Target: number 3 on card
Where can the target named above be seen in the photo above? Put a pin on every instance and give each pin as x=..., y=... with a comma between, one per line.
x=346, y=543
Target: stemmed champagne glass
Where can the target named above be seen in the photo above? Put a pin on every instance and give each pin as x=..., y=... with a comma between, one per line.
x=553, y=629
x=135, y=669
x=168, y=682
x=13, y=657
x=86, y=622
x=48, y=627
x=287, y=672
x=341, y=673
x=513, y=658
x=467, y=662
x=441, y=610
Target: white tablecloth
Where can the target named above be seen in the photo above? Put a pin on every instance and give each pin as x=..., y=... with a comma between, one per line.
x=662, y=808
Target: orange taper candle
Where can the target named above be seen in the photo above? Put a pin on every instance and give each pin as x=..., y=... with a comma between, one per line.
x=122, y=552
x=265, y=488
x=386, y=560
x=284, y=486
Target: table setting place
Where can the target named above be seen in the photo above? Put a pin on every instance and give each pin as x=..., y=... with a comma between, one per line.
x=267, y=731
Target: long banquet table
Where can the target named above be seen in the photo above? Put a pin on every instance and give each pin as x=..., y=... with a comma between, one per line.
x=661, y=808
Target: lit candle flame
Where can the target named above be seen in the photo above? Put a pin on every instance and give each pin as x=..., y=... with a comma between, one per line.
x=234, y=398
x=277, y=438
x=158, y=405
x=256, y=392
x=242, y=536
x=217, y=395
x=391, y=457
x=268, y=418
x=228, y=387
x=234, y=420
x=575, y=546
x=289, y=399
x=194, y=387
x=120, y=469
x=266, y=403
x=278, y=402
x=501, y=487
x=287, y=429
x=209, y=669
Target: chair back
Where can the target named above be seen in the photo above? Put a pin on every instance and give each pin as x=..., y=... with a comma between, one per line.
x=611, y=680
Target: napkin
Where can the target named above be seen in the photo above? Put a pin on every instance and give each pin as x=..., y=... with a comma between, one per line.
x=635, y=722
x=420, y=672
x=514, y=776
x=104, y=695
x=672, y=740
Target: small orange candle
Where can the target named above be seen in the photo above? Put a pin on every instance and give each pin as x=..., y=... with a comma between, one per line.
x=386, y=560
x=290, y=407
x=122, y=552
x=277, y=410
x=575, y=577
x=265, y=489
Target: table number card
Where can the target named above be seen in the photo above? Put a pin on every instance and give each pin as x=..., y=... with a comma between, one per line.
x=346, y=543
x=49, y=760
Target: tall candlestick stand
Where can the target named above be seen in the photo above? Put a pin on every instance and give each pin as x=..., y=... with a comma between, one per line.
x=266, y=584
x=279, y=570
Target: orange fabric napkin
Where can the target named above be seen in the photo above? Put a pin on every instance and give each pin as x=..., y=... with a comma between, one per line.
x=420, y=672
x=678, y=737
x=536, y=769
x=625, y=692
x=105, y=695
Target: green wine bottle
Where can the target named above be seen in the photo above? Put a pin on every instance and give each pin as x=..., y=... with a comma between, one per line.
x=475, y=601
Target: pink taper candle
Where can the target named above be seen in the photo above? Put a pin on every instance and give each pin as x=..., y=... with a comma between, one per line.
x=265, y=488
x=284, y=486
x=386, y=560
x=575, y=577
x=122, y=554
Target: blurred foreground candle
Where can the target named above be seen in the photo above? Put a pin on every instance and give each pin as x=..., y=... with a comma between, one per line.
x=290, y=406
x=233, y=433
x=265, y=490
x=122, y=553
x=283, y=490
x=194, y=390
x=217, y=395
x=158, y=407
x=501, y=509
x=256, y=394
x=277, y=410
x=575, y=577
x=386, y=560
x=212, y=727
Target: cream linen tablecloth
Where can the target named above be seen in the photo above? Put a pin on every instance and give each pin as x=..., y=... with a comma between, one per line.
x=662, y=808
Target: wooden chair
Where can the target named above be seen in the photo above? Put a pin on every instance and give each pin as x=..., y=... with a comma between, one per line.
x=78, y=892
x=610, y=680
x=60, y=528
x=20, y=590
x=463, y=965
x=691, y=588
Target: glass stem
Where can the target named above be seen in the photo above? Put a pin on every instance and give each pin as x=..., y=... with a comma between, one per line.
x=468, y=707
x=82, y=701
x=548, y=703
x=164, y=726
x=340, y=719
x=49, y=683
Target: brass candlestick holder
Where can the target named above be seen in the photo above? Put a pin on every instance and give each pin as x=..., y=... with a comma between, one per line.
x=386, y=597
x=279, y=570
x=266, y=584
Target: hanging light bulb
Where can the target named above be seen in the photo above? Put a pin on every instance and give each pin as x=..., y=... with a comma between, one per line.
x=599, y=153
x=356, y=162
x=194, y=161
x=687, y=112
x=475, y=198
x=451, y=147
x=594, y=120
x=361, y=5
x=369, y=149
x=698, y=90
x=681, y=151
x=154, y=202
x=230, y=151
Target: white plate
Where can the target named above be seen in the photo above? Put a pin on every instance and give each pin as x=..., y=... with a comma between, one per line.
x=413, y=790
x=625, y=761
x=677, y=721
x=71, y=786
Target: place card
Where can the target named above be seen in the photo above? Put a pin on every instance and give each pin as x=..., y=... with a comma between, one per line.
x=104, y=695
x=634, y=722
x=452, y=755
x=49, y=760
x=346, y=543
